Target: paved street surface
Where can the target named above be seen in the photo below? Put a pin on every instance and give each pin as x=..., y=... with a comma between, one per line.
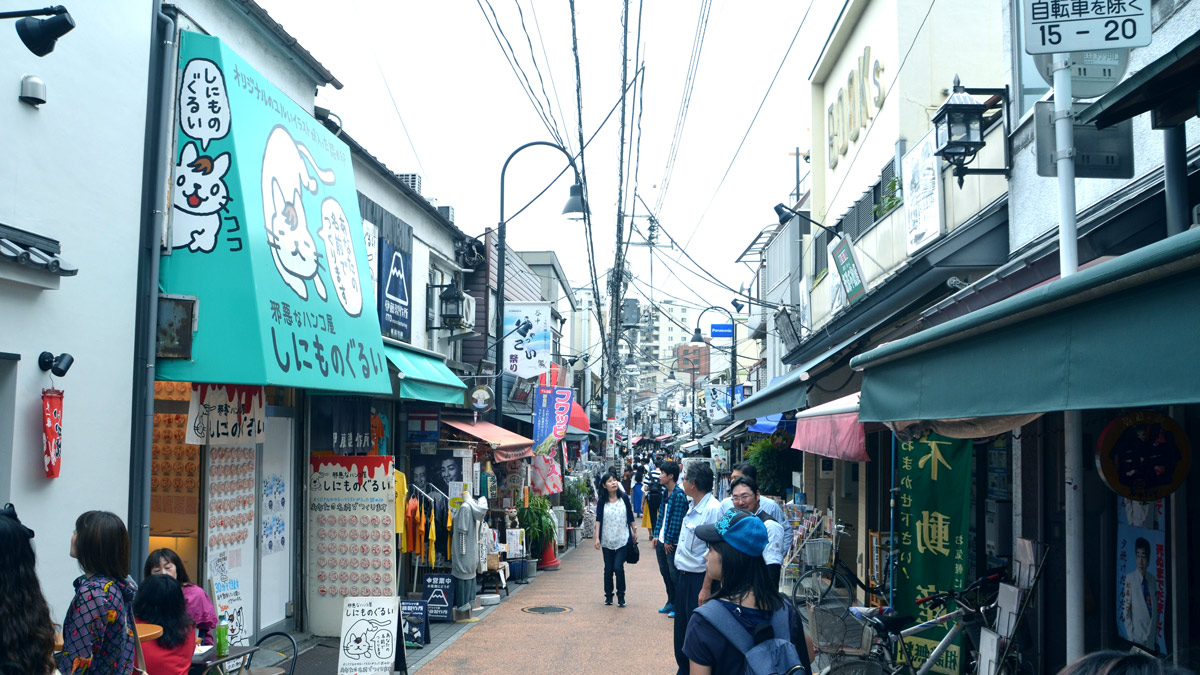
x=591, y=638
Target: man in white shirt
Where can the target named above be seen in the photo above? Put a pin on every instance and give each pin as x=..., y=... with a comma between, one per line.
x=744, y=492
x=697, y=482
x=1139, y=602
x=772, y=507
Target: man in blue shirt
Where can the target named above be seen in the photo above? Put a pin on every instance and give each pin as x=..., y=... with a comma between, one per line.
x=668, y=521
x=689, y=554
x=770, y=506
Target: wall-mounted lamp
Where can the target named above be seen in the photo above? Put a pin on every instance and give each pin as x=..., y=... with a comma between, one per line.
x=39, y=35
x=451, y=302
x=960, y=126
x=57, y=365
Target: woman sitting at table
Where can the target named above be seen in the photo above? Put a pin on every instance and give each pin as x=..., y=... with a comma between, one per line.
x=199, y=605
x=26, y=631
x=160, y=601
x=98, y=637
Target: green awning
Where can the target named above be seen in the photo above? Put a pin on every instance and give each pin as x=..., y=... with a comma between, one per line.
x=1167, y=85
x=425, y=378
x=1120, y=334
x=266, y=238
x=785, y=392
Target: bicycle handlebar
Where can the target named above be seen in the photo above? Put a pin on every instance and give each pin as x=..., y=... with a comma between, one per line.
x=944, y=595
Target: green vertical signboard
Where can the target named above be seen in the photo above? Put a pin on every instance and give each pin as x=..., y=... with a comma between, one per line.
x=266, y=235
x=848, y=271
x=932, y=522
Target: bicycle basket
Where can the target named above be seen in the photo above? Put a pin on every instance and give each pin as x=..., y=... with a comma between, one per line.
x=835, y=630
x=818, y=552
x=857, y=667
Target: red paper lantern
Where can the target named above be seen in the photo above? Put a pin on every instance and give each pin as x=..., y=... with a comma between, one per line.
x=52, y=412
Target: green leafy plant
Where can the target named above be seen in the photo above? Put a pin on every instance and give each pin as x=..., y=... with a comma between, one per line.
x=891, y=198
x=573, y=499
x=537, y=522
x=771, y=462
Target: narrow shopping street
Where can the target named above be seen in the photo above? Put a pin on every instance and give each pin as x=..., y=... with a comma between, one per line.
x=589, y=638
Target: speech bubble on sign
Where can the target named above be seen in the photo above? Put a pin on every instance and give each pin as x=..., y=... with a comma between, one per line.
x=203, y=102
x=339, y=254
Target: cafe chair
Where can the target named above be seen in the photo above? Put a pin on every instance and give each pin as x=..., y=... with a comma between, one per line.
x=273, y=657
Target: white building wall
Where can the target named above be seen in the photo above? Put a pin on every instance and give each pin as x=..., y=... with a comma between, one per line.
x=1035, y=212
x=72, y=170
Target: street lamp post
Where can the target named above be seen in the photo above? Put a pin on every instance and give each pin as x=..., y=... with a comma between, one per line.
x=698, y=337
x=575, y=204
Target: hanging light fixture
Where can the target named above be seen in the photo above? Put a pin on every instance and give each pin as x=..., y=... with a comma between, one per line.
x=960, y=125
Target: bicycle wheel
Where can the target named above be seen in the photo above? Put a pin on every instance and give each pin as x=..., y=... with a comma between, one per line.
x=822, y=587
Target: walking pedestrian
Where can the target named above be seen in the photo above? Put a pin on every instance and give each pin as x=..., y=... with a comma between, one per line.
x=614, y=518
x=772, y=507
x=26, y=631
x=639, y=475
x=689, y=556
x=747, y=604
x=98, y=633
x=199, y=605
x=652, y=492
x=160, y=601
x=744, y=492
x=668, y=522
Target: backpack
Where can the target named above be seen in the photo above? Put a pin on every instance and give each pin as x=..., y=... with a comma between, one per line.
x=775, y=656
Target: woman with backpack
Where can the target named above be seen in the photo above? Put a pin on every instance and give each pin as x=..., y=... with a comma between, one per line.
x=747, y=626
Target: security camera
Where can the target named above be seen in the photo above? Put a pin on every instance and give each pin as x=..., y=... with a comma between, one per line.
x=57, y=365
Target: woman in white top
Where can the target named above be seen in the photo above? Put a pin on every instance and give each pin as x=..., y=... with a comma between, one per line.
x=615, y=530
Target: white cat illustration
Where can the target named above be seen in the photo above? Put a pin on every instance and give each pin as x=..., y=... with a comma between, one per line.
x=285, y=172
x=197, y=198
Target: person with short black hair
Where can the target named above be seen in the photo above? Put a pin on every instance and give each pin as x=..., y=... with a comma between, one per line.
x=744, y=492
x=98, y=633
x=668, y=522
x=736, y=542
x=770, y=506
x=689, y=555
x=26, y=631
x=1120, y=663
x=160, y=601
x=614, y=520
x=652, y=491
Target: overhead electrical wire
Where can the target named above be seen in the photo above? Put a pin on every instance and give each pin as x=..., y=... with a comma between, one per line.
x=550, y=72
x=510, y=55
x=752, y=121
x=541, y=82
x=685, y=101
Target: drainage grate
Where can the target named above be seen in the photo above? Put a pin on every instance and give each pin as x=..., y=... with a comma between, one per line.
x=546, y=609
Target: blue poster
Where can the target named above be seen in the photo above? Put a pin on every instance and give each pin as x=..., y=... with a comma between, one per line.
x=395, y=283
x=551, y=413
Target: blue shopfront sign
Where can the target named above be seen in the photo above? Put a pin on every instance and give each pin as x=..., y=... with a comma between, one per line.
x=395, y=271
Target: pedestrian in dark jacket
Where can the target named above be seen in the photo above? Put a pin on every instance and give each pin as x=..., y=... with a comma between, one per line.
x=615, y=529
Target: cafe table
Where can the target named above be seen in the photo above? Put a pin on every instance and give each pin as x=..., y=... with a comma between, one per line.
x=209, y=662
x=145, y=631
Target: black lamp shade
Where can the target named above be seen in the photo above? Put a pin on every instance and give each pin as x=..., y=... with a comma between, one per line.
x=696, y=336
x=39, y=35
x=959, y=124
x=451, y=301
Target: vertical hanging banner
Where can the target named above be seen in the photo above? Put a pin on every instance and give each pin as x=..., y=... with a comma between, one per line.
x=266, y=233
x=52, y=410
x=526, y=332
x=226, y=415
x=934, y=478
x=395, y=278
x=351, y=535
x=551, y=414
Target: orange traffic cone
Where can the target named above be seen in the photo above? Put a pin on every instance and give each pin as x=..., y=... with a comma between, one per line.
x=549, y=560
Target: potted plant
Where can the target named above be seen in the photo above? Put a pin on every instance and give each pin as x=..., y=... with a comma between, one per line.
x=573, y=496
x=538, y=524
x=767, y=455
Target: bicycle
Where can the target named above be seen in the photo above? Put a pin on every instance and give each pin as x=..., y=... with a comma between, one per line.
x=830, y=586
x=889, y=630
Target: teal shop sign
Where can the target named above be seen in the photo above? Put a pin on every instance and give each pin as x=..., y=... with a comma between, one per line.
x=266, y=233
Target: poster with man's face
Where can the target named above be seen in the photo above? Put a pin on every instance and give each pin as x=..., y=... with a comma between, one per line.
x=439, y=470
x=1141, y=586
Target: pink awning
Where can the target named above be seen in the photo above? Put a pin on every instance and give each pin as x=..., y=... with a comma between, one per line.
x=832, y=430
x=506, y=445
x=637, y=439
x=579, y=418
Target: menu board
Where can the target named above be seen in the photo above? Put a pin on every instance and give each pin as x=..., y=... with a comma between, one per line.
x=351, y=535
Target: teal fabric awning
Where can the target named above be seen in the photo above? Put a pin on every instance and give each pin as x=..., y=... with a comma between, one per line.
x=425, y=378
x=785, y=392
x=1122, y=333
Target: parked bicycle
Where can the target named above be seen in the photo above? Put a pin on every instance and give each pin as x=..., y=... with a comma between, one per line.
x=887, y=632
x=832, y=586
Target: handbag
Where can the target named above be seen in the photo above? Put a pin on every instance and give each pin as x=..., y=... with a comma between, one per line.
x=632, y=554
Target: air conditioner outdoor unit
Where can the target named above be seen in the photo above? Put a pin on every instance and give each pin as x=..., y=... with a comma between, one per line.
x=468, y=320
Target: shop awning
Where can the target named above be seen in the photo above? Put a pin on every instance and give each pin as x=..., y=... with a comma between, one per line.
x=767, y=424
x=832, y=430
x=663, y=437
x=1120, y=334
x=636, y=440
x=267, y=275
x=579, y=418
x=425, y=378
x=1168, y=85
x=785, y=392
x=506, y=445
x=730, y=430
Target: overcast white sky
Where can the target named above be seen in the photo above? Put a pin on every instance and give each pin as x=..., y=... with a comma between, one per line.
x=465, y=111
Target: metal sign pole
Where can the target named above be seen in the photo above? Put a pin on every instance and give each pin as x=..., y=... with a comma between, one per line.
x=1068, y=263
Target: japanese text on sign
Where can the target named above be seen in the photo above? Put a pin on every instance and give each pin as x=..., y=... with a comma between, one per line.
x=1058, y=26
